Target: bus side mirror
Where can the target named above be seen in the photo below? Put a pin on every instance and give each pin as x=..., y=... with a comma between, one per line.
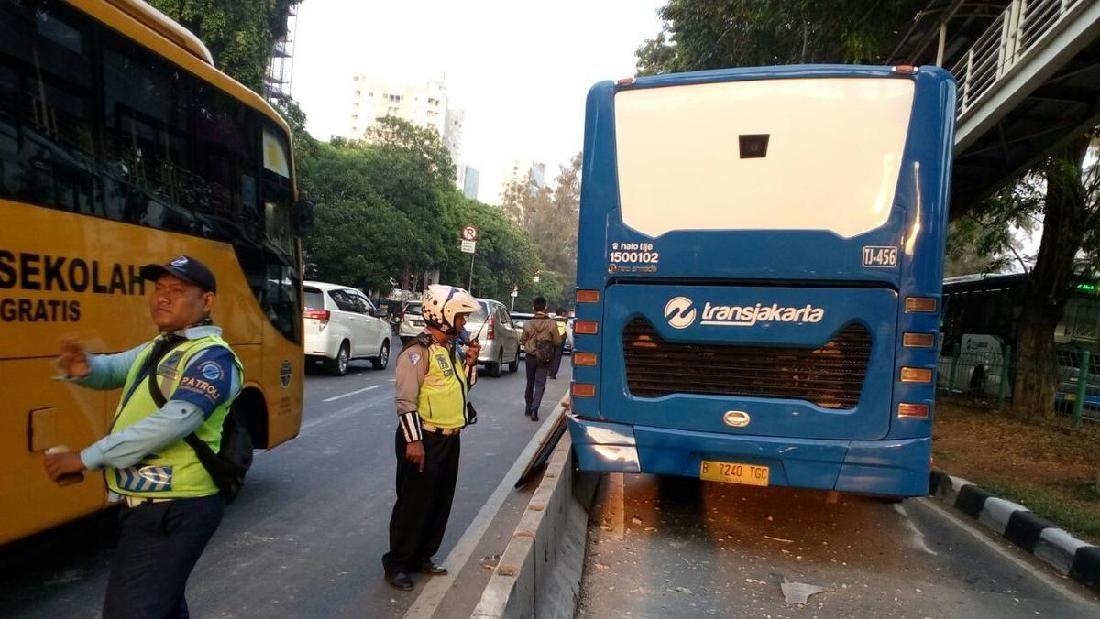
x=302, y=215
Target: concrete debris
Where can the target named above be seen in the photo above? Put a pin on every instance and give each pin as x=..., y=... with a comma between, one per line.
x=779, y=539
x=490, y=561
x=636, y=520
x=799, y=592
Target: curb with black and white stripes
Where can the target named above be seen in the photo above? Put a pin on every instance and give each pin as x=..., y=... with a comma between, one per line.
x=1042, y=538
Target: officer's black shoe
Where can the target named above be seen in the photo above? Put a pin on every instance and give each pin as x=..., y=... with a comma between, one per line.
x=534, y=416
x=431, y=569
x=400, y=581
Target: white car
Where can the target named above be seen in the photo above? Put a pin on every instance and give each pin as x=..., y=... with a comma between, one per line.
x=342, y=324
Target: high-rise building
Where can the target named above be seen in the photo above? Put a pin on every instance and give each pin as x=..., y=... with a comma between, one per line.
x=521, y=168
x=422, y=103
x=468, y=180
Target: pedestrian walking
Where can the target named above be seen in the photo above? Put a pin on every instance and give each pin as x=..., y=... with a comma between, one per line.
x=181, y=383
x=431, y=393
x=540, y=339
x=562, y=323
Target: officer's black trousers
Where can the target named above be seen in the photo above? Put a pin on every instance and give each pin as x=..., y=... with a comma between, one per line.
x=157, y=548
x=419, y=517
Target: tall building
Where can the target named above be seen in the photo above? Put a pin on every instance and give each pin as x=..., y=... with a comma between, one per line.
x=520, y=168
x=422, y=103
x=468, y=180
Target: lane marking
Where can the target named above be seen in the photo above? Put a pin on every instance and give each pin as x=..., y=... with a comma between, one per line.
x=435, y=589
x=1019, y=562
x=616, y=501
x=348, y=395
x=918, y=536
x=339, y=414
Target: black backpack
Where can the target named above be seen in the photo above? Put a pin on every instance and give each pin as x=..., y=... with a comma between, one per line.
x=229, y=466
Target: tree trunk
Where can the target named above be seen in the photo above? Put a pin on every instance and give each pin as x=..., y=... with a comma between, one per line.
x=1050, y=282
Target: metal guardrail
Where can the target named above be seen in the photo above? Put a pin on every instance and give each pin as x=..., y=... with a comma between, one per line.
x=989, y=375
x=1009, y=39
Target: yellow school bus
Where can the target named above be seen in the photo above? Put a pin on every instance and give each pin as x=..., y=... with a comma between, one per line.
x=122, y=145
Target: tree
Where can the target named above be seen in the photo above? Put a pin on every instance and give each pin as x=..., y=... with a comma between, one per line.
x=360, y=237
x=1062, y=196
x=240, y=34
x=549, y=215
x=505, y=258
x=711, y=34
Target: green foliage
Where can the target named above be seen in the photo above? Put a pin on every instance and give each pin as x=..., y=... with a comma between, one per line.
x=387, y=206
x=711, y=34
x=240, y=34
x=505, y=255
x=549, y=215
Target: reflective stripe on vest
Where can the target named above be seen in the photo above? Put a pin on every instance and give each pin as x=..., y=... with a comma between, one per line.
x=442, y=400
x=175, y=470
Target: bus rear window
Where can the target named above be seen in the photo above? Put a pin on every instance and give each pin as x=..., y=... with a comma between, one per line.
x=794, y=154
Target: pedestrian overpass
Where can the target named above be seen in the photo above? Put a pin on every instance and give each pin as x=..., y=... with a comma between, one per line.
x=1028, y=74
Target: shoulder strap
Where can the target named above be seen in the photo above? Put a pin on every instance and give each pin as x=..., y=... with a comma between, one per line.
x=209, y=460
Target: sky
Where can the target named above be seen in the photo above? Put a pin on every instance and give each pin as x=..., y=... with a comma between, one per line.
x=520, y=69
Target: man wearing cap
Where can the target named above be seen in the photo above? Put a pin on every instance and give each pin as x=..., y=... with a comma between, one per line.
x=172, y=504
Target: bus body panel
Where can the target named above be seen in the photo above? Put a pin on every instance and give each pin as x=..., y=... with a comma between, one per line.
x=70, y=250
x=902, y=258
x=84, y=284
x=768, y=416
x=38, y=413
x=890, y=467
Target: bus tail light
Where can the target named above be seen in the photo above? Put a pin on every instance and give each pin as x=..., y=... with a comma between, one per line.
x=581, y=390
x=918, y=340
x=588, y=296
x=920, y=304
x=584, y=358
x=916, y=375
x=586, y=327
x=919, y=411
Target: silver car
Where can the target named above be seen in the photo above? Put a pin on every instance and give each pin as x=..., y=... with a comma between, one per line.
x=493, y=327
x=412, y=321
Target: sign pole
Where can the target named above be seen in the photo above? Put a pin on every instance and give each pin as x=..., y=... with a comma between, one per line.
x=470, y=286
x=469, y=246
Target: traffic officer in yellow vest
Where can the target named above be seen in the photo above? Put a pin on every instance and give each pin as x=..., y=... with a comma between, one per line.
x=431, y=395
x=172, y=503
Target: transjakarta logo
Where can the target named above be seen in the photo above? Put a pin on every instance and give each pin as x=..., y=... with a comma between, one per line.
x=680, y=313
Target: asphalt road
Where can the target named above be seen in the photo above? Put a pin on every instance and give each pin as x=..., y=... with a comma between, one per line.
x=305, y=537
x=680, y=548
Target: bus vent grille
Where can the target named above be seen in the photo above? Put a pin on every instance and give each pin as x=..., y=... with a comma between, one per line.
x=830, y=376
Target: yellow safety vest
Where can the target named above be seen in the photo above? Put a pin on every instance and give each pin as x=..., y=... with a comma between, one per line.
x=442, y=398
x=175, y=470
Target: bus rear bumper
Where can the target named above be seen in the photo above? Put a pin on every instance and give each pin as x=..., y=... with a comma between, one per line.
x=894, y=467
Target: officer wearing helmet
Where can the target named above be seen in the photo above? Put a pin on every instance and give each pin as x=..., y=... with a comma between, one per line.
x=431, y=389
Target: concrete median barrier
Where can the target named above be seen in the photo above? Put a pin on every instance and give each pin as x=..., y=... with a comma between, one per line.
x=539, y=573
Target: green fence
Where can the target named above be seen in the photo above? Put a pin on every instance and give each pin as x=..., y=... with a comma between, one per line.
x=989, y=375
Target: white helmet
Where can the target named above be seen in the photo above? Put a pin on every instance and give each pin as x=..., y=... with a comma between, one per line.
x=442, y=303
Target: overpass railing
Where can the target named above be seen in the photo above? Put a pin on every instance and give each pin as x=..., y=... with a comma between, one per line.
x=1016, y=32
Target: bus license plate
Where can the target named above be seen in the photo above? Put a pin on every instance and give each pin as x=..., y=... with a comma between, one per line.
x=733, y=473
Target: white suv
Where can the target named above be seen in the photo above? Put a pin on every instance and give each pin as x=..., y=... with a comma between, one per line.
x=341, y=324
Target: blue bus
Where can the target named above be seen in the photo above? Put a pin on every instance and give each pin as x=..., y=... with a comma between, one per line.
x=760, y=258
